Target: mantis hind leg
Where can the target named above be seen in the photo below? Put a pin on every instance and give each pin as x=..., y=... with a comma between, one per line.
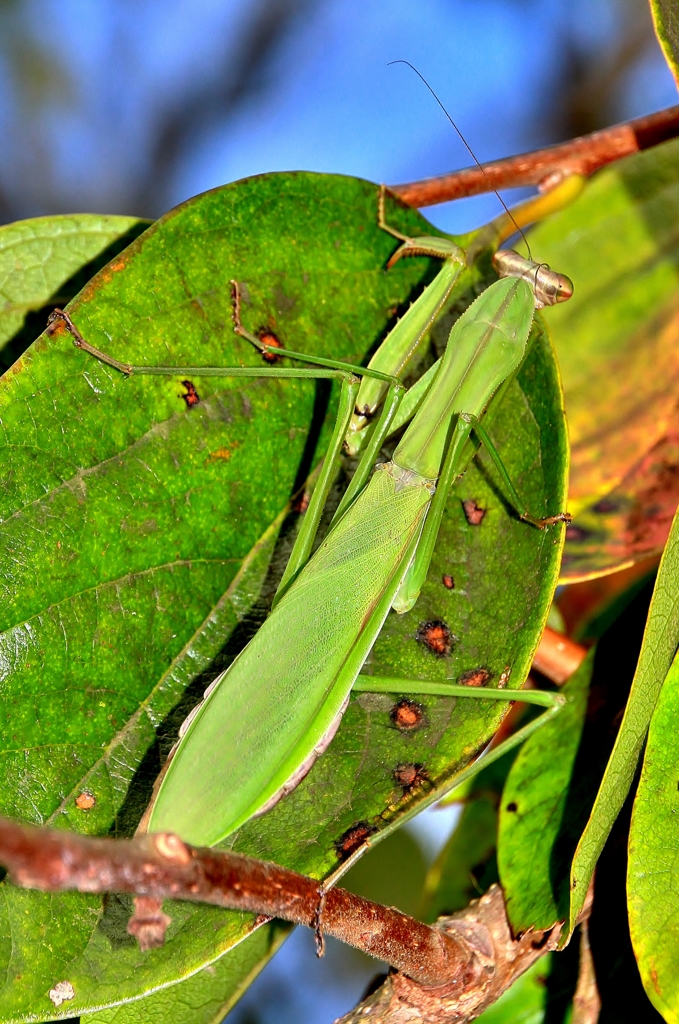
x=552, y=702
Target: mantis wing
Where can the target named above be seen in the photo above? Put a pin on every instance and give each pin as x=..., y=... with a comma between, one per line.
x=277, y=701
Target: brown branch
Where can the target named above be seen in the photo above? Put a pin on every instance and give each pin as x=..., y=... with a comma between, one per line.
x=484, y=925
x=463, y=963
x=162, y=866
x=579, y=156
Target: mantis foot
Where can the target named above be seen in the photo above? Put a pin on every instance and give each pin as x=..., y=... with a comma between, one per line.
x=562, y=517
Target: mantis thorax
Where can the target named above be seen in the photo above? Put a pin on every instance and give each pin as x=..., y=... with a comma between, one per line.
x=548, y=286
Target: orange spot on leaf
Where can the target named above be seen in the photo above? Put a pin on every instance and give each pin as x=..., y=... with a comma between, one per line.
x=476, y=677
x=473, y=512
x=436, y=637
x=224, y=453
x=407, y=714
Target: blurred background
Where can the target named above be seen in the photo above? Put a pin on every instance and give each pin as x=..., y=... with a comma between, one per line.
x=131, y=107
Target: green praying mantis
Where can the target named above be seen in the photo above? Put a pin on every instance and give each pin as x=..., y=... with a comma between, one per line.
x=266, y=719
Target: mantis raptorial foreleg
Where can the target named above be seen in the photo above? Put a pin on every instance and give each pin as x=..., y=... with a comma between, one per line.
x=397, y=352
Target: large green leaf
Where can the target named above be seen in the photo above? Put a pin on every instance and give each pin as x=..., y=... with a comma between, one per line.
x=616, y=341
x=45, y=261
x=138, y=537
x=653, y=888
x=661, y=638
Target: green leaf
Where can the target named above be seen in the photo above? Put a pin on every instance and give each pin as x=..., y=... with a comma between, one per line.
x=616, y=346
x=661, y=637
x=526, y=1001
x=45, y=261
x=142, y=538
x=666, y=21
x=205, y=997
x=652, y=885
x=531, y=835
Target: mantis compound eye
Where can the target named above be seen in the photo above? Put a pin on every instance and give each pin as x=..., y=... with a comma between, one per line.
x=564, y=288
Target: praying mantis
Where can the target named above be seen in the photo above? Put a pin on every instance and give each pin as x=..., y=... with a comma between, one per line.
x=276, y=708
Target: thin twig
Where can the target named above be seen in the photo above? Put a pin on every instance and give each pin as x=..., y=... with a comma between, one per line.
x=557, y=657
x=544, y=166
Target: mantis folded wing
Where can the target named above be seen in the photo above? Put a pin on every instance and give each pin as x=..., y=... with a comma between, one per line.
x=268, y=717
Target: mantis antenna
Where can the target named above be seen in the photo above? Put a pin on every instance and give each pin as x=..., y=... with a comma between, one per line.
x=467, y=146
